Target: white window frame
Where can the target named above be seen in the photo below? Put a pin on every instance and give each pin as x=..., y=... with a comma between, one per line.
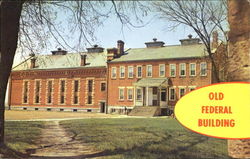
x=164, y=70
x=124, y=71
x=149, y=70
x=137, y=75
x=180, y=92
x=201, y=69
x=174, y=70
x=171, y=88
x=190, y=69
x=121, y=88
x=130, y=71
x=113, y=72
x=137, y=94
x=130, y=89
x=180, y=69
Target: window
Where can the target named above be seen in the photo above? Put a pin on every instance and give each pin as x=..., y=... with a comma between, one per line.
x=37, y=91
x=49, y=91
x=121, y=93
x=130, y=93
x=149, y=70
x=162, y=70
x=171, y=94
x=191, y=89
x=130, y=71
x=76, y=92
x=122, y=72
x=139, y=71
x=103, y=86
x=192, y=69
x=25, y=91
x=90, y=85
x=89, y=99
x=182, y=92
x=62, y=91
x=203, y=69
x=172, y=70
x=139, y=94
x=182, y=69
x=113, y=72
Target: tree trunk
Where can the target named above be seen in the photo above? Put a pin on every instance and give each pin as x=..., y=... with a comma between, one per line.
x=239, y=61
x=9, y=26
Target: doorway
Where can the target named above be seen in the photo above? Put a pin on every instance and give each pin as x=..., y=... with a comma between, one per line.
x=102, y=107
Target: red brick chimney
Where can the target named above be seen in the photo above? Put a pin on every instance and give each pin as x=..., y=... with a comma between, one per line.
x=215, y=40
x=83, y=60
x=32, y=62
x=112, y=53
x=120, y=48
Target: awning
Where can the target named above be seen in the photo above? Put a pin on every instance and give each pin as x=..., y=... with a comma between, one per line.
x=152, y=82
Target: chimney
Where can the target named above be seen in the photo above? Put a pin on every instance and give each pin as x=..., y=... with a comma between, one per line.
x=112, y=53
x=215, y=40
x=32, y=62
x=95, y=49
x=155, y=44
x=190, y=40
x=120, y=47
x=83, y=60
x=59, y=51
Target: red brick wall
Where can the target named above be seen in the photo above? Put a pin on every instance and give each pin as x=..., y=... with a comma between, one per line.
x=113, y=94
x=98, y=75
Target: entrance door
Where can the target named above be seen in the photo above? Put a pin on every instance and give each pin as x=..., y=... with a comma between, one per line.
x=102, y=107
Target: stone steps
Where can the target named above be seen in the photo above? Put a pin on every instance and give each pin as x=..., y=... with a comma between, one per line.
x=147, y=111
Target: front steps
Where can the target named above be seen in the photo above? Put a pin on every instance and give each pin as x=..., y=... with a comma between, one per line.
x=147, y=111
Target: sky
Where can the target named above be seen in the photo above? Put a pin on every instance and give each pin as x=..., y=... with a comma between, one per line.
x=112, y=30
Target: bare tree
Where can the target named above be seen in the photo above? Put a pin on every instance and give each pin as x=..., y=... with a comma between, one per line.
x=29, y=24
x=203, y=16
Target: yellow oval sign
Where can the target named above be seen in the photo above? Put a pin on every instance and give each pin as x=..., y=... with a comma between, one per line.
x=219, y=110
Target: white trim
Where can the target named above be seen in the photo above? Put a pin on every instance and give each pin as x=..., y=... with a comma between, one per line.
x=120, y=93
x=113, y=77
x=39, y=93
x=73, y=91
x=201, y=68
x=147, y=70
x=191, y=70
x=129, y=88
x=132, y=71
x=185, y=69
x=182, y=86
x=52, y=91
x=180, y=92
x=172, y=88
x=120, y=72
x=164, y=66
x=170, y=70
x=137, y=71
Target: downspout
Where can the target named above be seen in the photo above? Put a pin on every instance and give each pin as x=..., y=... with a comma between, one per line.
x=107, y=85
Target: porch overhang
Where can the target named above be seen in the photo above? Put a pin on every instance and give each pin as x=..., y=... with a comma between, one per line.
x=151, y=82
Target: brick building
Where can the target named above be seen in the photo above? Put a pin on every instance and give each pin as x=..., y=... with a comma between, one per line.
x=157, y=75
x=61, y=81
x=115, y=80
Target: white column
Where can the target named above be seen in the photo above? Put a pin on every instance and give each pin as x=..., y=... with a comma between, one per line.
x=160, y=96
x=146, y=96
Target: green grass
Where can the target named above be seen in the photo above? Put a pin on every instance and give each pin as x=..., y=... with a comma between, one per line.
x=145, y=138
x=19, y=136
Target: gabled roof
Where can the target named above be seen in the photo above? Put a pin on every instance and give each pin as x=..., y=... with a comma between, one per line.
x=167, y=52
x=152, y=82
x=70, y=60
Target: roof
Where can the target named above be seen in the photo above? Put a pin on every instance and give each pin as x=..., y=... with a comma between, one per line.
x=70, y=60
x=166, y=52
x=152, y=82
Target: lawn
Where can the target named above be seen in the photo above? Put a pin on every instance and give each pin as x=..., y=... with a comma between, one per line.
x=19, y=136
x=145, y=138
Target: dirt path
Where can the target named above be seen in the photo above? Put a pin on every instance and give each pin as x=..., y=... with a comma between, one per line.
x=57, y=143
